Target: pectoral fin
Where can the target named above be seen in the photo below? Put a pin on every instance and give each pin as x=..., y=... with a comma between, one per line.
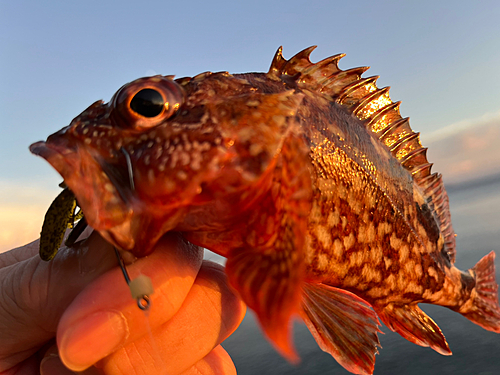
x=343, y=325
x=270, y=284
x=415, y=326
x=268, y=272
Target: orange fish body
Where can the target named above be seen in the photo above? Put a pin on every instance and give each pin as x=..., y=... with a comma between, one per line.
x=306, y=178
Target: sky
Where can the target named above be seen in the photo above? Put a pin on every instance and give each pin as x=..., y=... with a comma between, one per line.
x=441, y=59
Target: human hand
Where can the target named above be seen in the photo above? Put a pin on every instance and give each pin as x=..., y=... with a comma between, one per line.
x=81, y=298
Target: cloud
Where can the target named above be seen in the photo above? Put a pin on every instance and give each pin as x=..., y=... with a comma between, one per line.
x=467, y=150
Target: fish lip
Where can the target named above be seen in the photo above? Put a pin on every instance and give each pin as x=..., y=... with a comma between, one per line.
x=91, y=178
x=56, y=154
x=63, y=157
x=41, y=149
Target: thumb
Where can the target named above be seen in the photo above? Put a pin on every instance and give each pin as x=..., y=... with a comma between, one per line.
x=35, y=293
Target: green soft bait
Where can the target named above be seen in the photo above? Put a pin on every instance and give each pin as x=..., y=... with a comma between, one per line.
x=60, y=216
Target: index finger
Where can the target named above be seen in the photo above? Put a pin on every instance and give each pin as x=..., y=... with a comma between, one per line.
x=104, y=317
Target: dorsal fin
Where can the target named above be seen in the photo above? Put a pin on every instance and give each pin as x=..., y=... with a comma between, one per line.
x=380, y=115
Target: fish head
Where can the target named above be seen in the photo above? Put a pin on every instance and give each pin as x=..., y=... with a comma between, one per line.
x=139, y=163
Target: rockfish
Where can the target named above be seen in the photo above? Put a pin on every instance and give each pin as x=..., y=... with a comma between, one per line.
x=306, y=178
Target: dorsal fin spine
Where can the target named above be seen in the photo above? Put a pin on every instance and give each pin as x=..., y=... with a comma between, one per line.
x=414, y=158
x=277, y=64
x=405, y=146
x=331, y=63
x=338, y=81
x=302, y=55
x=432, y=189
x=372, y=103
x=382, y=118
x=380, y=115
x=394, y=132
x=422, y=171
x=358, y=90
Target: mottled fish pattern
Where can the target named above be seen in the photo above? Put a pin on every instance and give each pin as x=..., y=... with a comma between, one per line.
x=306, y=178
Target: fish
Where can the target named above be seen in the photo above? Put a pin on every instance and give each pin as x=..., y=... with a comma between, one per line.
x=306, y=178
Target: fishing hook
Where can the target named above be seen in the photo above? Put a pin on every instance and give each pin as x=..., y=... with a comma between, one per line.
x=129, y=168
x=143, y=302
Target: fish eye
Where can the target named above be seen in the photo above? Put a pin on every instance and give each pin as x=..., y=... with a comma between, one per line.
x=146, y=102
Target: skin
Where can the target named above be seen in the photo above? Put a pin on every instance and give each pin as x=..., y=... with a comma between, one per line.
x=75, y=313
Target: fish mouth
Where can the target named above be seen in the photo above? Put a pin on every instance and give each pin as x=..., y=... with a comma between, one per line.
x=58, y=155
x=102, y=189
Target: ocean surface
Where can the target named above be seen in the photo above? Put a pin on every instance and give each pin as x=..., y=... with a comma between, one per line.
x=475, y=212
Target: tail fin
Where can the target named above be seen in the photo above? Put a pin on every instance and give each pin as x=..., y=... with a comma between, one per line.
x=483, y=308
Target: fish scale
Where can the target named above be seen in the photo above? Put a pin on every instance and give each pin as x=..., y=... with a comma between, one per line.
x=306, y=178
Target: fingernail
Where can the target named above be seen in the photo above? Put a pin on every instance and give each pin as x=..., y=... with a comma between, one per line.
x=92, y=338
x=51, y=364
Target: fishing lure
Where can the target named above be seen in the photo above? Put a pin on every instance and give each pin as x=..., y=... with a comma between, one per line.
x=61, y=215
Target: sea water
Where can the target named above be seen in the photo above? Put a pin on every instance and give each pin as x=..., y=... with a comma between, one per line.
x=475, y=213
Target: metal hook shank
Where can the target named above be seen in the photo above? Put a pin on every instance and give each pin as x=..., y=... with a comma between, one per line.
x=141, y=287
x=129, y=168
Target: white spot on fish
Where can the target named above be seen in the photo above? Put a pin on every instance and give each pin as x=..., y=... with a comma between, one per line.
x=184, y=158
x=370, y=233
x=418, y=270
x=384, y=228
x=361, y=234
x=109, y=187
x=324, y=236
x=323, y=261
x=404, y=252
x=432, y=273
x=279, y=119
x=333, y=218
x=349, y=241
x=252, y=103
x=158, y=152
x=338, y=248
x=151, y=176
x=357, y=258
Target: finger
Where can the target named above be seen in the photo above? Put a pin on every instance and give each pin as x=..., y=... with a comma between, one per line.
x=19, y=254
x=210, y=313
x=217, y=362
x=29, y=250
x=104, y=317
x=51, y=364
x=35, y=293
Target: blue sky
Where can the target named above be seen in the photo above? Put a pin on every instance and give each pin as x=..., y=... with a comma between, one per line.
x=441, y=58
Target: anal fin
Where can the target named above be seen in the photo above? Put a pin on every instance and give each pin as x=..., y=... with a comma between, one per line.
x=415, y=326
x=343, y=325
